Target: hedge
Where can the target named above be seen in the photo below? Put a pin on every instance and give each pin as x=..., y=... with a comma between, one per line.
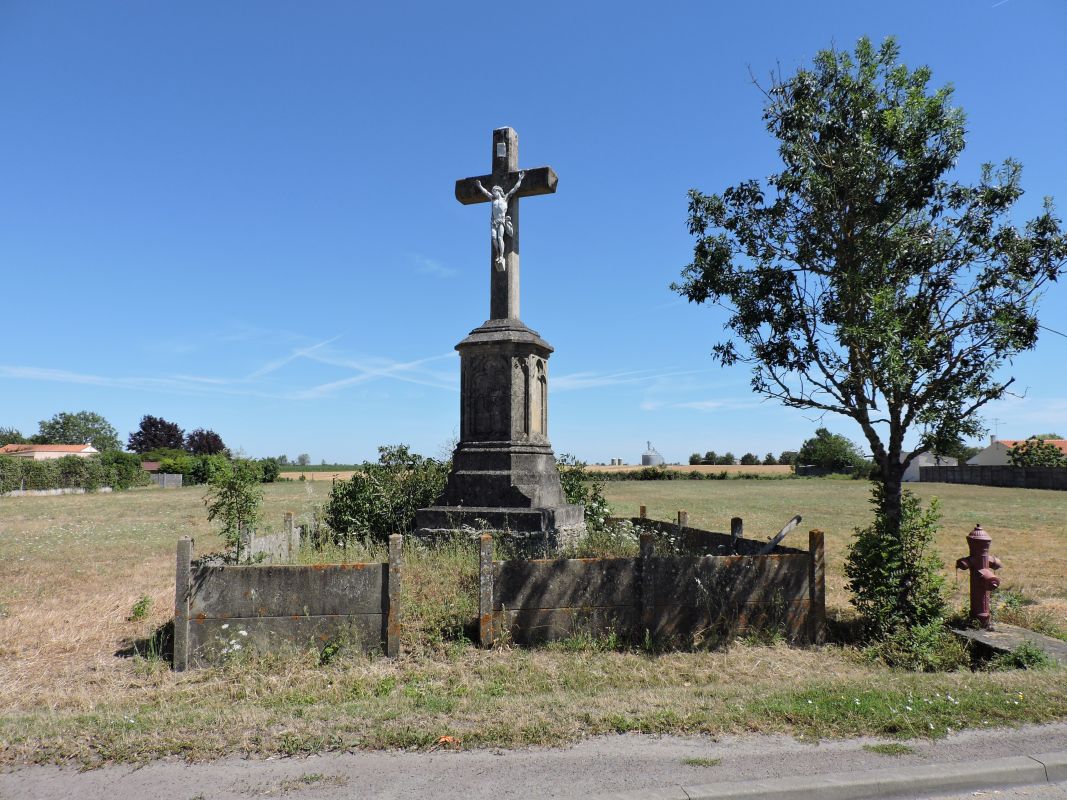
x=117, y=470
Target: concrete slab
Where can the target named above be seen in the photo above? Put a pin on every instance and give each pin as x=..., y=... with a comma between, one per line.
x=1003, y=638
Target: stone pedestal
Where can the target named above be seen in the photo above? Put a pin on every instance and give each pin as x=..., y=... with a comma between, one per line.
x=504, y=475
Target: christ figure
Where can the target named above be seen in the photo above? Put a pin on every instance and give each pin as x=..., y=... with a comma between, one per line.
x=500, y=221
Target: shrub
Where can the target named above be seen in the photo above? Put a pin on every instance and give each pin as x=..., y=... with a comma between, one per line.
x=12, y=472
x=270, y=469
x=42, y=474
x=582, y=488
x=1026, y=656
x=203, y=469
x=382, y=498
x=123, y=470
x=179, y=465
x=929, y=647
x=896, y=583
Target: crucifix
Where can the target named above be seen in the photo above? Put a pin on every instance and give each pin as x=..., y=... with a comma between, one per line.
x=503, y=188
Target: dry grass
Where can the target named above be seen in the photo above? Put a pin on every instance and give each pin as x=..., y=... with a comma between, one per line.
x=714, y=469
x=320, y=476
x=72, y=567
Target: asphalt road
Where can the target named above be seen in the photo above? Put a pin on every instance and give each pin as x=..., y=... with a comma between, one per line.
x=604, y=765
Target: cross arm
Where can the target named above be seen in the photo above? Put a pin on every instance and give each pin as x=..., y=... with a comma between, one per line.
x=540, y=180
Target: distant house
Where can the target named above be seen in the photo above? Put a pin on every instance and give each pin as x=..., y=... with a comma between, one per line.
x=150, y=466
x=927, y=459
x=997, y=453
x=44, y=452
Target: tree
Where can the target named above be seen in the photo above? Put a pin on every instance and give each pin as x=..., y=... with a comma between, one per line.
x=830, y=451
x=155, y=432
x=283, y=460
x=233, y=500
x=1035, y=452
x=769, y=460
x=83, y=427
x=788, y=457
x=711, y=457
x=865, y=280
x=696, y=458
x=204, y=443
x=11, y=436
x=726, y=459
x=1044, y=436
x=303, y=459
x=749, y=459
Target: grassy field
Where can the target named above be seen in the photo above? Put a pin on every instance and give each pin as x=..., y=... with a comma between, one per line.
x=778, y=470
x=72, y=569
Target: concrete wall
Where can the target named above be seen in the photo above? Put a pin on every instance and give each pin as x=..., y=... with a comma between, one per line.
x=167, y=480
x=997, y=475
x=672, y=599
x=222, y=609
x=926, y=460
x=272, y=548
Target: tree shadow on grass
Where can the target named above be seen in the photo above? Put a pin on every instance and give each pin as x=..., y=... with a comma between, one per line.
x=159, y=644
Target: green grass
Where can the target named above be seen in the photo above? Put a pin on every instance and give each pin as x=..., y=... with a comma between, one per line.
x=72, y=568
x=702, y=762
x=889, y=749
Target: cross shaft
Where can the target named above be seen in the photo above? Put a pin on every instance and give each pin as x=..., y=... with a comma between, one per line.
x=504, y=267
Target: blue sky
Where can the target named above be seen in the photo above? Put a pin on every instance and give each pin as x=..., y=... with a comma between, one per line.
x=240, y=215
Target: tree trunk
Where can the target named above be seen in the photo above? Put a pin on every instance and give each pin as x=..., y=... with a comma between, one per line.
x=892, y=488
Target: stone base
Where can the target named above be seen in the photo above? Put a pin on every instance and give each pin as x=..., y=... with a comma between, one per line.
x=523, y=532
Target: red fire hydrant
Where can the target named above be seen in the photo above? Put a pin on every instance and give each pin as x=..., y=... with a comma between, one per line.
x=981, y=566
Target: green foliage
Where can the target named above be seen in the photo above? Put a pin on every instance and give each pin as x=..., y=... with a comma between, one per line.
x=140, y=608
x=749, y=459
x=180, y=465
x=929, y=647
x=896, y=578
x=1044, y=436
x=862, y=279
x=233, y=500
x=1035, y=452
x=382, y=498
x=580, y=487
x=113, y=469
x=788, y=457
x=11, y=473
x=124, y=470
x=769, y=460
x=1026, y=656
x=696, y=458
x=204, y=468
x=12, y=436
x=270, y=469
x=829, y=451
x=83, y=427
x=155, y=432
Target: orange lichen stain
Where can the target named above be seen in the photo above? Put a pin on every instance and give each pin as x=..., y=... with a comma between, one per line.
x=200, y=618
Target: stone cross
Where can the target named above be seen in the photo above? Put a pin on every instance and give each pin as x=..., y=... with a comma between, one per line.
x=513, y=184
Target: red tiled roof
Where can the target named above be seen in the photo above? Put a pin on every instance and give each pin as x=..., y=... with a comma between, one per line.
x=44, y=448
x=1061, y=444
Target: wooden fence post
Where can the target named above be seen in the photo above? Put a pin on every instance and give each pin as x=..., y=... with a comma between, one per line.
x=737, y=527
x=817, y=587
x=182, y=587
x=683, y=520
x=392, y=614
x=485, y=591
x=648, y=587
x=644, y=513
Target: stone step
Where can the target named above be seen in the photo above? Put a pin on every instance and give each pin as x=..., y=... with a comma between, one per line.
x=1003, y=638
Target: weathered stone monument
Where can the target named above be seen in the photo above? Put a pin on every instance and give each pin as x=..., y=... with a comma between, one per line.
x=504, y=475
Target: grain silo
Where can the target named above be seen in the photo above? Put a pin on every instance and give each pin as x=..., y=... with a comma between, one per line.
x=651, y=457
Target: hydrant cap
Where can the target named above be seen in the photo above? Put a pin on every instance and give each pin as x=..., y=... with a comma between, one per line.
x=979, y=534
